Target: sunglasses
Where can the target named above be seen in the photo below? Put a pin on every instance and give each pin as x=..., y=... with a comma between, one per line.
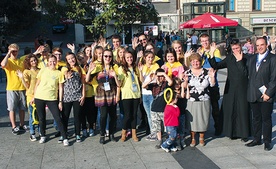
x=107, y=56
x=142, y=40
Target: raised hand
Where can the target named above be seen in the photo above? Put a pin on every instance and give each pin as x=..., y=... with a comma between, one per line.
x=213, y=47
x=188, y=53
x=211, y=72
x=71, y=47
x=135, y=42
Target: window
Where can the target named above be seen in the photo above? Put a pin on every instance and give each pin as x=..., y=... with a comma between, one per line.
x=230, y=5
x=257, y=5
x=258, y=31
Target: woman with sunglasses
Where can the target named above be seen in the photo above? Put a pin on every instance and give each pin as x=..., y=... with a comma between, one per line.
x=130, y=90
x=107, y=93
x=235, y=108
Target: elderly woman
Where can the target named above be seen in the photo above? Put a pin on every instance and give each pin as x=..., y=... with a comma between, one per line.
x=198, y=79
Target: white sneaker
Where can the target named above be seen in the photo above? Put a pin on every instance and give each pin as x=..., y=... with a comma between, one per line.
x=32, y=137
x=60, y=140
x=174, y=149
x=165, y=149
x=42, y=140
x=65, y=142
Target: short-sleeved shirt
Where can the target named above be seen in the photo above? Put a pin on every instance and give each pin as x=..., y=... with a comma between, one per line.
x=30, y=78
x=158, y=103
x=146, y=71
x=129, y=80
x=72, y=87
x=198, y=85
x=13, y=81
x=49, y=83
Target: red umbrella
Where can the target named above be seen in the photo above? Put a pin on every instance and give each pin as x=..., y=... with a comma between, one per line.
x=208, y=20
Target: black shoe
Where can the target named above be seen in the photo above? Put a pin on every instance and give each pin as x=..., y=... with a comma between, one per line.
x=57, y=134
x=267, y=147
x=102, y=140
x=112, y=138
x=253, y=143
x=244, y=140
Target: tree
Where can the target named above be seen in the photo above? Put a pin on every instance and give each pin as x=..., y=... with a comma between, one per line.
x=99, y=13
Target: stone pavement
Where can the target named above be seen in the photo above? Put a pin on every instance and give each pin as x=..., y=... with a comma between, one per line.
x=219, y=152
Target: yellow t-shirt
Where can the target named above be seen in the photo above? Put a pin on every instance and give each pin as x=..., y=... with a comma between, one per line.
x=128, y=81
x=30, y=78
x=13, y=81
x=48, y=86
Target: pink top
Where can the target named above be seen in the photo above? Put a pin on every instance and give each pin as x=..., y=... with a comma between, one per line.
x=171, y=114
x=250, y=48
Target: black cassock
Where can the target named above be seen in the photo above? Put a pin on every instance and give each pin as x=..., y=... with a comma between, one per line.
x=235, y=108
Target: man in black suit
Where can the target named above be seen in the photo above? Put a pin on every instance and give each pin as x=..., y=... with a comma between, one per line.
x=261, y=90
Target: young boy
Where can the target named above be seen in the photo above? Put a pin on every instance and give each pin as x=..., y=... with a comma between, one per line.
x=163, y=81
x=171, y=115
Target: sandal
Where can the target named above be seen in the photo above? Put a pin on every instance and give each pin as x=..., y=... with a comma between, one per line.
x=201, y=142
x=193, y=143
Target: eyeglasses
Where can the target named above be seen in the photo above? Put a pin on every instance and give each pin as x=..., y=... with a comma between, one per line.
x=235, y=41
x=107, y=56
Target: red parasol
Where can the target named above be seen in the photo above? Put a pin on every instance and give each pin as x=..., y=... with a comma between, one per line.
x=208, y=20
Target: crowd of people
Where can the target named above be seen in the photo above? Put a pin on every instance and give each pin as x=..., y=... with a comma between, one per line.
x=175, y=93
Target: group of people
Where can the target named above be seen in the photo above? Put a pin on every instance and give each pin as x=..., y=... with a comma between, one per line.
x=179, y=90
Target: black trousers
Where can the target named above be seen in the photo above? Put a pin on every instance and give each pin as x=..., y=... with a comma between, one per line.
x=130, y=113
x=214, y=98
x=88, y=113
x=262, y=121
x=53, y=107
x=111, y=110
x=65, y=114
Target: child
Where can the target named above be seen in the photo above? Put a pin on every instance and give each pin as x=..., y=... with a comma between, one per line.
x=163, y=81
x=171, y=114
x=179, y=88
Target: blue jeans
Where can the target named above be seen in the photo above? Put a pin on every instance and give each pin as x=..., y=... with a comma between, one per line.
x=32, y=127
x=169, y=143
x=147, y=101
x=99, y=119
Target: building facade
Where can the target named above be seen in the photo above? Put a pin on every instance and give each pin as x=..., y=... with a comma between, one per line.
x=254, y=16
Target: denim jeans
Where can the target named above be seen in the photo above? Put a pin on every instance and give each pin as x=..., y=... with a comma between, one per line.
x=169, y=143
x=32, y=127
x=147, y=101
x=99, y=120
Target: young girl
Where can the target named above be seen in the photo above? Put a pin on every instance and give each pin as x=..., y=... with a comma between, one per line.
x=98, y=55
x=147, y=69
x=171, y=115
x=29, y=80
x=179, y=89
x=172, y=67
x=73, y=80
x=130, y=89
